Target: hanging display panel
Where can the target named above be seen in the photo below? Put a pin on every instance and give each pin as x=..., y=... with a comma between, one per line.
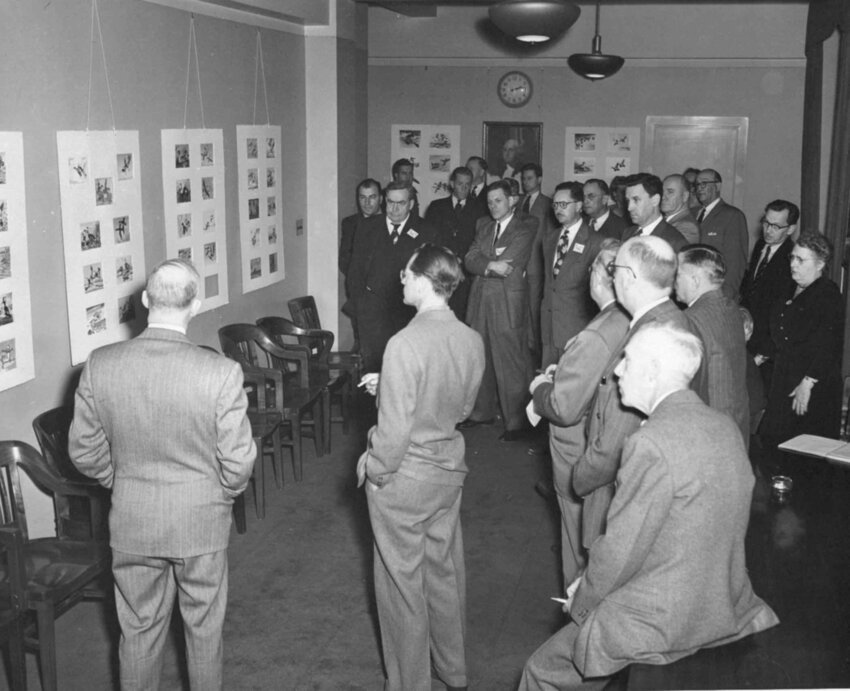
x=434, y=151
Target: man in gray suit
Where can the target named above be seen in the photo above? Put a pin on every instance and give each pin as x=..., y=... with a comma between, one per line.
x=669, y=577
x=163, y=423
x=563, y=395
x=674, y=206
x=721, y=380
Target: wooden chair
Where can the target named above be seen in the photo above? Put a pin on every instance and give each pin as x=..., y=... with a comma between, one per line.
x=320, y=342
x=81, y=505
x=251, y=346
x=58, y=571
x=304, y=313
x=13, y=602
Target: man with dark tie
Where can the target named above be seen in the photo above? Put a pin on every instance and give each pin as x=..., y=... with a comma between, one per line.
x=597, y=208
x=724, y=227
x=769, y=276
x=454, y=219
x=674, y=206
x=568, y=252
x=498, y=310
x=643, y=196
x=375, y=294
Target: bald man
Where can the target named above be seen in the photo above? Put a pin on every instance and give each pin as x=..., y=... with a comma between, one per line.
x=674, y=206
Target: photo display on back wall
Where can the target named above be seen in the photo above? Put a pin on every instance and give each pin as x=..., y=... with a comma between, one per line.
x=16, y=354
x=601, y=152
x=101, y=195
x=434, y=151
x=194, y=208
x=260, y=211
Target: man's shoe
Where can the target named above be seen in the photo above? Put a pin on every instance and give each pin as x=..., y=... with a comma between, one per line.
x=469, y=423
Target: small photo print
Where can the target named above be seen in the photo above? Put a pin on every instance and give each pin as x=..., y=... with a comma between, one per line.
x=271, y=206
x=121, y=228
x=270, y=147
x=273, y=263
x=209, y=221
x=255, y=237
x=253, y=208
x=185, y=254
x=620, y=141
x=124, y=269
x=184, y=225
x=440, y=164
x=440, y=140
x=253, y=179
x=618, y=165
x=90, y=235
x=125, y=166
x=210, y=286
x=272, y=235
x=4, y=216
x=409, y=139
x=92, y=277
x=210, y=256
x=584, y=141
x=207, y=188
x=78, y=170
x=102, y=191
x=207, y=155
x=184, y=191
x=2, y=167
x=584, y=166
x=251, y=146
x=256, y=268
x=5, y=262
x=270, y=177
x=8, y=359
x=95, y=320
x=181, y=156
x=126, y=309
x=6, y=314
x=441, y=188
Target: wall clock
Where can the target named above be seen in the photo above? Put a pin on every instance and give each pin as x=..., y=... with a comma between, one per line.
x=514, y=89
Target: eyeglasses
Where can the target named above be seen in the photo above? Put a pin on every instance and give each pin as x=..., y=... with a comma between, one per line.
x=797, y=259
x=773, y=227
x=611, y=268
x=563, y=205
x=705, y=183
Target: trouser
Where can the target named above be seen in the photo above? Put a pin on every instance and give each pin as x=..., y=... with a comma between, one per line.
x=145, y=588
x=420, y=581
x=551, y=668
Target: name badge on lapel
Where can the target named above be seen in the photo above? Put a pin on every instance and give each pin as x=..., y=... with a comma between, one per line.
x=499, y=251
x=578, y=247
x=412, y=233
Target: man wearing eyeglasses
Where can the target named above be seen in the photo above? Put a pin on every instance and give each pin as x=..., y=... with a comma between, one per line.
x=724, y=227
x=769, y=274
x=568, y=252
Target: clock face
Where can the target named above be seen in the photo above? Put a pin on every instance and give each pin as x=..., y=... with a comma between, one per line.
x=514, y=89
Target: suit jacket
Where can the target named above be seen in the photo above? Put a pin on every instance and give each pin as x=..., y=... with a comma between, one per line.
x=565, y=402
x=669, y=577
x=608, y=426
x=686, y=224
x=542, y=211
x=758, y=296
x=663, y=230
x=348, y=227
x=725, y=229
x=507, y=296
x=614, y=227
x=721, y=380
x=163, y=423
x=567, y=306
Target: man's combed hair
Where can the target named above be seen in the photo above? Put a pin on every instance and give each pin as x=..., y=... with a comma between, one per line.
x=650, y=183
x=780, y=205
x=394, y=186
x=172, y=285
x=503, y=185
x=440, y=266
x=657, y=260
x=601, y=184
x=679, y=350
x=706, y=258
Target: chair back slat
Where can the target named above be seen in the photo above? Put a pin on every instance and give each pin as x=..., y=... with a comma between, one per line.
x=304, y=313
x=12, y=510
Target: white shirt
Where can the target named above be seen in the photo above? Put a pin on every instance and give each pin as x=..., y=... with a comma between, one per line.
x=501, y=225
x=571, y=236
x=643, y=310
x=401, y=225
x=599, y=222
x=710, y=207
x=169, y=327
x=649, y=227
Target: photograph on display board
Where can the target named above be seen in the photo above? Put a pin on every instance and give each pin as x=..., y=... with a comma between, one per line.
x=600, y=152
x=5, y=263
x=433, y=151
x=508, y=146
x=8, y=355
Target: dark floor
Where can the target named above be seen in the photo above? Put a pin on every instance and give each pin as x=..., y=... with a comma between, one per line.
x=301, y=611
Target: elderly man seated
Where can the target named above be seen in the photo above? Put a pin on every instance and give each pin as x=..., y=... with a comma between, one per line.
x=669, y=576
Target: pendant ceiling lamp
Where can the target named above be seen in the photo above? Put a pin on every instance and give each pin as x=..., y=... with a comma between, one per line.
x=595, y=65
x=534, y=21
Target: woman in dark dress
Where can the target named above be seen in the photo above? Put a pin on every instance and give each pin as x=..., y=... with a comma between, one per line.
x=806, y=331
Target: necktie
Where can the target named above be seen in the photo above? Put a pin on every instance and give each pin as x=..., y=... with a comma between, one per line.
x=496, y=236
x=639, y=233
x=561, y=251
x=526, y=205
x=395, y=234
x=593, y=224
x=763, y=263
x=459, y=205
x=701, y=215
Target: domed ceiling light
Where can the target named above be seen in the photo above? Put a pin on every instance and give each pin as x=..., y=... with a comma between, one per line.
x=534, y=21
x=595, y=65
